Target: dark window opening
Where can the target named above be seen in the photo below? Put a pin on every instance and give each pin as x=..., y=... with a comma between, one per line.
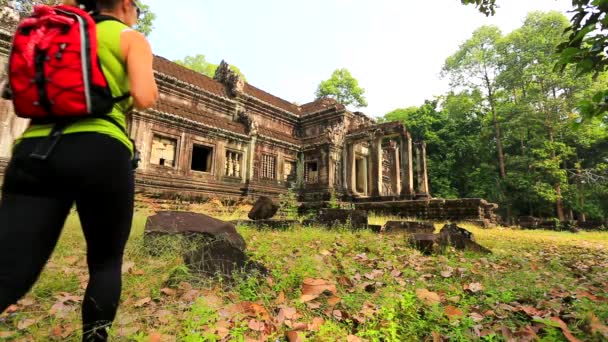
x=201, y=158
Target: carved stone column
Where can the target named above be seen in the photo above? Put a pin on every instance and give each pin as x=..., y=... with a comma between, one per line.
x=250, y=159
x=396, y=170
x=407, y=165
x=425, y=175
x=376, y=166
x=421, y=171
x=351, y=169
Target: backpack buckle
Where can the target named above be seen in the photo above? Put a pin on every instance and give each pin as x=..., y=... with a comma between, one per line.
x=52, y=141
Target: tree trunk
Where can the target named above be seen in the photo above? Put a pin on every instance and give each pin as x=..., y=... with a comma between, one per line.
x=581, y=195
x=501, y=158
x=559, y=203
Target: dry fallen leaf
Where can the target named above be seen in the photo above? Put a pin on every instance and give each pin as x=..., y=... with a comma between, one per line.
x=313, y=288
x=565, y=329
x=473, y=287
x=476, y=317
x=26, y=302
x=353, y=338
x=280, y=299
x=295, y=336
x=155, y=337
x=60, y=310
x=168, y=292
x=256, y=325
x=597, y=327
x=447, y=272
x=7, y=334
x=127, y=266
x=140, y=303
x=26, y=323
x=316, y=324
x=428, y=297
x=453, y=312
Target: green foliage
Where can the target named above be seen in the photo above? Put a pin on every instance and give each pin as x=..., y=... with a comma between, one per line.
x=288, y=203
x=487, y=7
x=145, y=25
x=343, y=87
x=552, y=158
x=585, y=47
x=200, y=64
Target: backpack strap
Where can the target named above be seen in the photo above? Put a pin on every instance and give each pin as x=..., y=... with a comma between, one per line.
x=99, y=18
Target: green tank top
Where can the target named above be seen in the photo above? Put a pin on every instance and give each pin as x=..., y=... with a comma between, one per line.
x=115, y=71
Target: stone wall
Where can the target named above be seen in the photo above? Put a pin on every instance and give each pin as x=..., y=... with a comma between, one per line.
x=474, y=209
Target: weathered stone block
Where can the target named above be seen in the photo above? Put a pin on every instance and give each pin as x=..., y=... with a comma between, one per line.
x=220, y=258
x=185, y=223
x=592, y=225
x=450, y=236
x=529, y=222
x=263, y=209
x=408, y=227
x=374, y=228
x=357, y=219
x=459, y=238
x=424, y=242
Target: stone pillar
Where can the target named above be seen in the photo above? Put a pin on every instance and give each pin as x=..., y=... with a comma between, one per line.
x=219, y=160
x=376, y=166
x=351, y=169
x=250, y=159
x=280, y=167
x=396, y=171
x=331, y=167
x=421, y=171
x=425, y=175
x=407, y=165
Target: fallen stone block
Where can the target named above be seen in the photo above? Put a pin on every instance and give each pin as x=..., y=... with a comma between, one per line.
x=263, y=209
x=529, y=222
x=218, y=258
x=461, y=239
x=209, y=246
x=424, y=242
x=408, y=227
x=376, y=228
x=185, y=223
x=356, y=219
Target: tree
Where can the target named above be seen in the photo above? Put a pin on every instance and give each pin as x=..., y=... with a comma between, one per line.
x=145, y=24
x=585, y=47
x=343, y=87
x=475, y=66
x=199, y=64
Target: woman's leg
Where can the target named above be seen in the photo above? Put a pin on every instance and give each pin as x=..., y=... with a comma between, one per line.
x=32, y=214
x=105, y=207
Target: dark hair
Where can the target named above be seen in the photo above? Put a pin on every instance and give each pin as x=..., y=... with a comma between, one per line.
x=98, y=5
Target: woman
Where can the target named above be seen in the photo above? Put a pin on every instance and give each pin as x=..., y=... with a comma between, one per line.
x=91, y=167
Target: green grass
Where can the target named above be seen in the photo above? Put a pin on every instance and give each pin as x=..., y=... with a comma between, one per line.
x=549, y=274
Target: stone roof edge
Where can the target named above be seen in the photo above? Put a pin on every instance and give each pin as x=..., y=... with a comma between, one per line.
x=192, y=86
x=222, y=131
x=295, y=116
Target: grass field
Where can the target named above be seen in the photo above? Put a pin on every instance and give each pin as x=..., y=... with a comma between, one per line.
x=337, y=285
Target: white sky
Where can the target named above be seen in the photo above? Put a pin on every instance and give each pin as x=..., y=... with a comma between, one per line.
x=395, y=48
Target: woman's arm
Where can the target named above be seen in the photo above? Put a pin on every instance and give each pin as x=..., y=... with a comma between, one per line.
x=138, y=56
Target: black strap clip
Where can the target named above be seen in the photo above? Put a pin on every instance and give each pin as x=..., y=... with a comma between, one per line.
x=49, y=143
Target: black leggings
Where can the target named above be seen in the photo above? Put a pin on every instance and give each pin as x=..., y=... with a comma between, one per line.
x=89, y=169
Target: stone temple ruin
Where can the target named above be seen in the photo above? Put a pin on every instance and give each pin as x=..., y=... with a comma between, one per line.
x=224, y=138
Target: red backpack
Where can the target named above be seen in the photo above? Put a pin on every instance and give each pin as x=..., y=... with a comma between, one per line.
x=54, y=71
